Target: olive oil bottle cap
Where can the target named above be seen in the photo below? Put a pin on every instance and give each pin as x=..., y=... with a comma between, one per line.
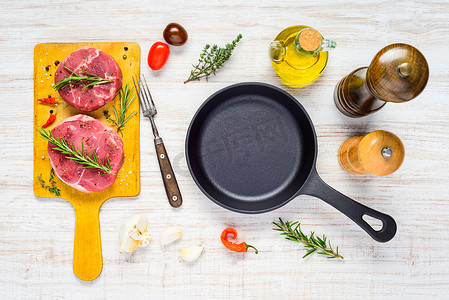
x=309, y=39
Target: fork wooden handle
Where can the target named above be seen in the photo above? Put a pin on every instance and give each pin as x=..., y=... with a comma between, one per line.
x=168, y=176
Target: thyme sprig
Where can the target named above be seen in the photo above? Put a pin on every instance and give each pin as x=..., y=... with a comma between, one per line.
x=211, y=59
x=81, y=156
x=51, y=180
x=120, y=115
x=292, y=231
x=78, y=79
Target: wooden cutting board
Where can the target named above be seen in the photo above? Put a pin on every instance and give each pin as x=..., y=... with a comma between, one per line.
x=87, y=256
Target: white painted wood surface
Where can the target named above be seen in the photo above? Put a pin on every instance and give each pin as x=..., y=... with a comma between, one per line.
x=36, y=235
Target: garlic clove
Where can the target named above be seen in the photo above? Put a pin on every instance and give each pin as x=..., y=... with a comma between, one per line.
x=142, y=224
x=128, y=245
x=170, y=235
x=134, y=233
x=191, y=253
x=138, y=225
x=145, y=240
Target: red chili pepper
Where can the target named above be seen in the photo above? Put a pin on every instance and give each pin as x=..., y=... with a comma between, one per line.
x=242, y=247
x=47, y=100
x=50, y=120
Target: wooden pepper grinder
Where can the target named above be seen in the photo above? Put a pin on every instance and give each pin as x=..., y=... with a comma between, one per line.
x=398, y=73
x=379, y=153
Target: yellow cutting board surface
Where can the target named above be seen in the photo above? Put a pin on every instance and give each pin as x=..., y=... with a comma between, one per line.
x=87, y=258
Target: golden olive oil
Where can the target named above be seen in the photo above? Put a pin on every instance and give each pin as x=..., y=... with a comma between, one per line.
x=294, y=68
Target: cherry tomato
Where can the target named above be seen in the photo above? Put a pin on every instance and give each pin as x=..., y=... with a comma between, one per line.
x=175, y=34
x=158, y=55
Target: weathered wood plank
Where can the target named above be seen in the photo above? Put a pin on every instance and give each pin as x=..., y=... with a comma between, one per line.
x=36, y=235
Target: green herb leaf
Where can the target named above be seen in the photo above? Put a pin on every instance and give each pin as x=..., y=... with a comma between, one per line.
x=292, y=231
x=77, y=155
x=309, y=252
x=120, y=116
x=211, y=60
x=75, y=79
x=51, y=180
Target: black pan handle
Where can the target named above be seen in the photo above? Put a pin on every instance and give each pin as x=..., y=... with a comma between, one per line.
x=316, y=187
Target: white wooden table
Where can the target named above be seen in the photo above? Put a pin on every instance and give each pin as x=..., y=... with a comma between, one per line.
x=36, y=235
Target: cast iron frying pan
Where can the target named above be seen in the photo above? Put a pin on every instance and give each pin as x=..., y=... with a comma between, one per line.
x=252, y=148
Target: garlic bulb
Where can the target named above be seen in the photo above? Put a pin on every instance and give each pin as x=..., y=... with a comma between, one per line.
x=170, y=235
x=191, y=253
x=134, y=233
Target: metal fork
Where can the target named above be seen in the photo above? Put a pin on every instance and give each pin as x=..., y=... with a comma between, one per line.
x=149, y=111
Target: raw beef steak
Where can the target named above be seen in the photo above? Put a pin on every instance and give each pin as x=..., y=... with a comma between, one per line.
x=97, y=137
x=96, y=62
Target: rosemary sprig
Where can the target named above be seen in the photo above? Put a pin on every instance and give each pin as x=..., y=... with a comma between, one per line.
x=78, y=79
x=125, y=102
x=292, y=231
x=51, y=180
x=80, y=156
x=211, y=59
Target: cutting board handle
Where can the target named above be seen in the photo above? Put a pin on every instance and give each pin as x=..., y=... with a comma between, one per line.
x=87, y=256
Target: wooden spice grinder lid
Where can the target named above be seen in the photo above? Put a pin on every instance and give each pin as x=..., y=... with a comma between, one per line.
x=381, y=152
x=398, y=73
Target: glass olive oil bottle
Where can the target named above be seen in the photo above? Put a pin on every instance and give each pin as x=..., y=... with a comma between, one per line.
x=299, y=55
